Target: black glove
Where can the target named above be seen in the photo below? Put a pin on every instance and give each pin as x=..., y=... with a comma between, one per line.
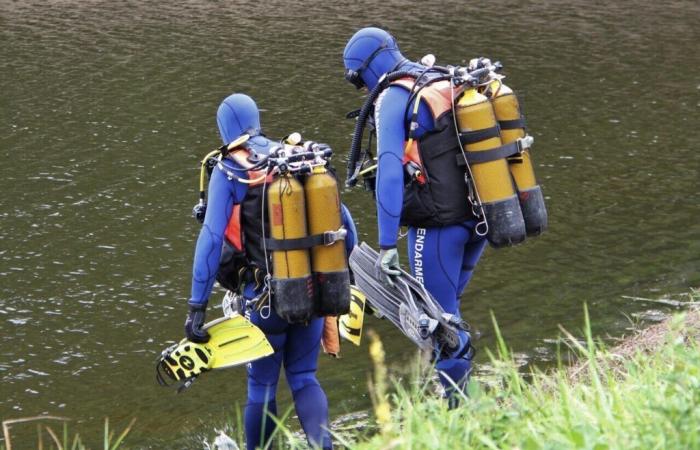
x=194, y=323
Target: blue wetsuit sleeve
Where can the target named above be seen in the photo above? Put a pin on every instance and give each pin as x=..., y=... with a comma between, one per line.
x=349, y=224
x=390, y=121
x=222, y=195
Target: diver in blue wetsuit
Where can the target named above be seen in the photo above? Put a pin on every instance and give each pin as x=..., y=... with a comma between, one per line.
x=296, y=345
x=417, y=184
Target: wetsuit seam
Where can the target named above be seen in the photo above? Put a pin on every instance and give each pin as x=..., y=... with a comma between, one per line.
x=288, y=363
x=212, y=249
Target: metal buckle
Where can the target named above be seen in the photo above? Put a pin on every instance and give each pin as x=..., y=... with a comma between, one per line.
x=524, y=143
x=331, y=237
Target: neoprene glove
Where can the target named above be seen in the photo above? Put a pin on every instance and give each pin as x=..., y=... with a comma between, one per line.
x=387, y=266
x=194, y=324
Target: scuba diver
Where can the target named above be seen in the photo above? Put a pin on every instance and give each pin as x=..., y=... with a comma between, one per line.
x=284, y=275
x=430, y=122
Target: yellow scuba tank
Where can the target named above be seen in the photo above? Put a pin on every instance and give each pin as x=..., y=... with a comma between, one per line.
x=508, y=114
x=328, y=260
x=291, y=284
x=476, y=121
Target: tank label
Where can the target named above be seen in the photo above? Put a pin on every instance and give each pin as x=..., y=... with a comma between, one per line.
x=277, y=215
x=418, y=254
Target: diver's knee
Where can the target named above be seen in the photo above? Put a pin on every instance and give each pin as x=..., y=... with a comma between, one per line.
x=299, y=381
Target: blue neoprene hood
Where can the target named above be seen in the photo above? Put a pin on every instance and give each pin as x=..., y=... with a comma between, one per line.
x=237, y=114
x=376, y=44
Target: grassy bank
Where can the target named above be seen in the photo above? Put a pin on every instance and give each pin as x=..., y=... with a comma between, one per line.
x=642, y=394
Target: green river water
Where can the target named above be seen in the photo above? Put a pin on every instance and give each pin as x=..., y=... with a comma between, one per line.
x=106, y=107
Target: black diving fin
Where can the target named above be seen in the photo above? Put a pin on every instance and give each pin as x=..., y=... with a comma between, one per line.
x=408, y=305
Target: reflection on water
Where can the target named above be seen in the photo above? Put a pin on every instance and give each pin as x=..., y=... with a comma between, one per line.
x=107, y=107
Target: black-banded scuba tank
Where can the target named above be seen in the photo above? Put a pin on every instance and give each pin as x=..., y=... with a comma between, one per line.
x=328, y=261
x=291, y=283
x=512, y=125
x=476, y=122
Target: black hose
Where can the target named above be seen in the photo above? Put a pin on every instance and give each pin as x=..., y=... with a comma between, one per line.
x=356, y=144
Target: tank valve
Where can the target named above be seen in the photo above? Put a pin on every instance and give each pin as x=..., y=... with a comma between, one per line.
x=428, y=60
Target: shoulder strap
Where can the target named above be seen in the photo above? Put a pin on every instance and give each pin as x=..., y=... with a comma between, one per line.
x=438, y=95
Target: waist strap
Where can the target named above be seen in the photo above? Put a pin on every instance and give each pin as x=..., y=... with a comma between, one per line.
x=504, y=151
x=444, y=140
x=471, y=137
x=325, y=238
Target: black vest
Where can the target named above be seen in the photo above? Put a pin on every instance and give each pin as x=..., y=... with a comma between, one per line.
x=440, y=196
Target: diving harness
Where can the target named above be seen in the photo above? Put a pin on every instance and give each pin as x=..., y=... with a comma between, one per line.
x=299, y=243
x=487, y=135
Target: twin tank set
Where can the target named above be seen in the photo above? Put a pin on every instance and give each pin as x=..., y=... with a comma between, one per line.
x=511, y=200
x=300, y=232
x=315, y=281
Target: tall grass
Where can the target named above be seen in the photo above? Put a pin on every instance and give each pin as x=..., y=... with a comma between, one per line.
x=47, y=438
x=650, y=401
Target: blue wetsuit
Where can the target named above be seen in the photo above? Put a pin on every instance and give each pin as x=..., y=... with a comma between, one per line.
x=443, y=258
x=296, y=346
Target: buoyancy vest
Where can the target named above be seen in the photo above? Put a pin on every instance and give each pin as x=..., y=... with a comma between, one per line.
x=243, y=256
x=435, y=191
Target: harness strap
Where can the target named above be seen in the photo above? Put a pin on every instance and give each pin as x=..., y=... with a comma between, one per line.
x=326, y=238
x=504, y=151
x=445, y=139
x=512, y=124
x=472, y=137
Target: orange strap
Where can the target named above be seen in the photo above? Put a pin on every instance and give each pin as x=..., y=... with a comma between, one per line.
x=233, y=229
x=240, y=155
x=330, y=340
x=437, y=95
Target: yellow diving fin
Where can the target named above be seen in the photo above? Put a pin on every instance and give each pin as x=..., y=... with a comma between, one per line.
x=233, y=341
x=350, y=324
